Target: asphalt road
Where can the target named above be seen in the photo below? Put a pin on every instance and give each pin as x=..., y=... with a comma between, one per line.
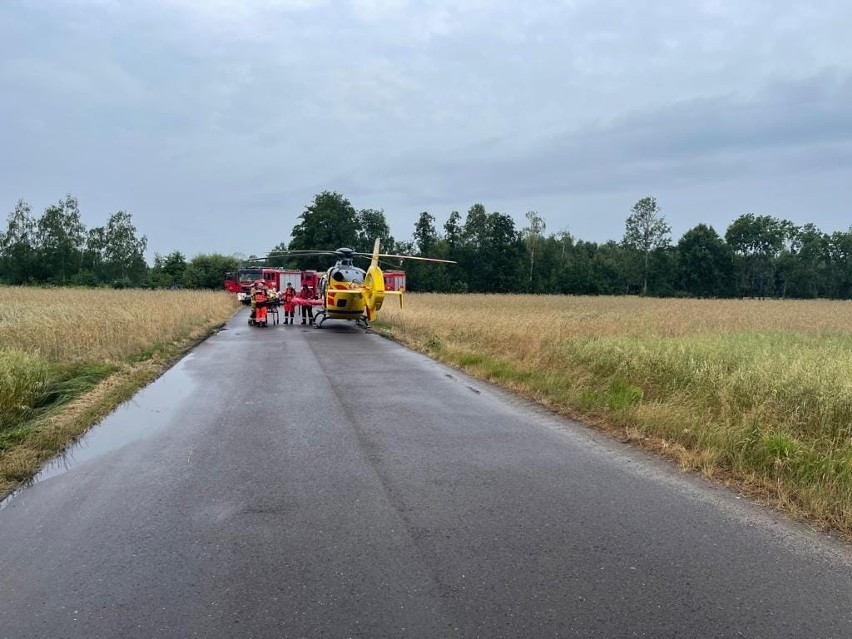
x=290, y=482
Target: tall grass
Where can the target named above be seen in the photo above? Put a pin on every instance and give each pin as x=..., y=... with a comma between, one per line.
x=23, y=378
x=58, y=344
x=755, y=391
x=103, y=325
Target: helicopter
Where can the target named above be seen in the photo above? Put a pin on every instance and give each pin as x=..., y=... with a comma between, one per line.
x=350, y=293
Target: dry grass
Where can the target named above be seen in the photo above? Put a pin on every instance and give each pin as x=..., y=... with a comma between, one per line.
x=103, y=325
x=68, y=356
x=755, y=392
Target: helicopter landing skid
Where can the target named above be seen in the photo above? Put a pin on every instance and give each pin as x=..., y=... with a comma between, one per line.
x=321, y=316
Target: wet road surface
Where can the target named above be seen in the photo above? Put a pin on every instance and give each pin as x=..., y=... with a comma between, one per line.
x=292, y=482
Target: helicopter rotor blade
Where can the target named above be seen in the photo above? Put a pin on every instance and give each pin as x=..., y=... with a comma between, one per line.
x=407, y=257
x=275, y=254
x=336, y=253
x=389, y=266
x=417, y=257
x=304, y=252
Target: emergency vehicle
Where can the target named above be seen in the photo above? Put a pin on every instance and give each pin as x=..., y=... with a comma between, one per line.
x=240, y=282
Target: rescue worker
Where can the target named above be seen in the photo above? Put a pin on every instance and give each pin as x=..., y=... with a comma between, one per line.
x=259, y=299
x=289, y=307
x=307, y=309
x=252, y=321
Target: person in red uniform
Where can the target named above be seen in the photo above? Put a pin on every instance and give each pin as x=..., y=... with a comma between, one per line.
x=260, y=300
x=289, y=307
x=307, y=309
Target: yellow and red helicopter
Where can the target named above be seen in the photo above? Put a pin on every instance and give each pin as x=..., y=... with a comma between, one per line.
x=350, y=293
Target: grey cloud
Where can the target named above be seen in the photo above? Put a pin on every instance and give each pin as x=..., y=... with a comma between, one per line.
x=800, y=126
x=192, y=114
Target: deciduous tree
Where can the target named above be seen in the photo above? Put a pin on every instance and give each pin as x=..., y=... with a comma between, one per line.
x=123, y=255
x=757, y=240
x=60, y=235
x=371, y=225
x=93, y=255
x=532, y=236
x=804, y=266
x=840, y=263
x=17, y=246
x=646, y=230
x=705, y=263
x=425, y=235
x=168, y=271
x=277, y=257
x=328, y=223
x=453, y=230
x=208, y=270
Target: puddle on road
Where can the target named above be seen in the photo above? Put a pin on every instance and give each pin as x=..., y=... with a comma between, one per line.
x=149, y=411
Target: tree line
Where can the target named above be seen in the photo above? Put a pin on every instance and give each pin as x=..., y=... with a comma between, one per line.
x=758, y=255
x=57, y=249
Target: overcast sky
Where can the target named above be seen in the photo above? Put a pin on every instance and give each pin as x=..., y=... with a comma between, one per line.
x=215, y=122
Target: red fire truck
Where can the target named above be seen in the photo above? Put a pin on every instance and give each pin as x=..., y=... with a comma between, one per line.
x=240, y=282
x=394, y=280
x=277, y=278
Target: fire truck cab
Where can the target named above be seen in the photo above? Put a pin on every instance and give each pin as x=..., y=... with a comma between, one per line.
x=241, y=281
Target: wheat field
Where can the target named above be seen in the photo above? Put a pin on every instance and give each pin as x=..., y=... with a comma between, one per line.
x=758, y=393
x=103, y=325
x=68, y=356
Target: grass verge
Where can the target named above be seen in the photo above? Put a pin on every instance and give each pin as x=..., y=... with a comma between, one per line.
x=758, y=395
